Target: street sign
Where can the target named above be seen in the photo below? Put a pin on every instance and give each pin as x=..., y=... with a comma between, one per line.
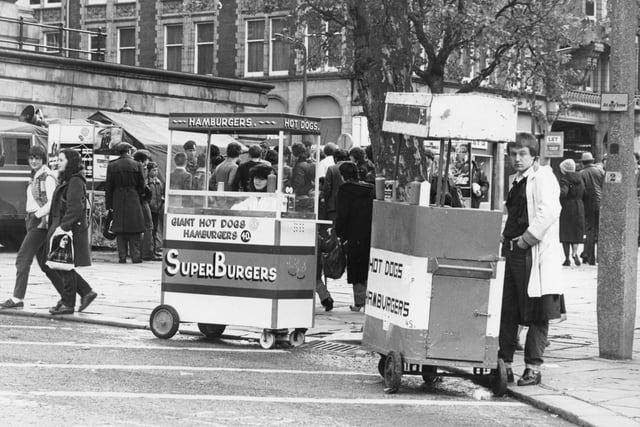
x=614, y=102
x=612, y=177
x=552, y=145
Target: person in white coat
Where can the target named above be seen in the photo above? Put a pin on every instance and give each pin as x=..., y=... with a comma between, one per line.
x=532, y=287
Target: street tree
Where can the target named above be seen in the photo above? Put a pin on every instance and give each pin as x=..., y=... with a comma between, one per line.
x=402, y=45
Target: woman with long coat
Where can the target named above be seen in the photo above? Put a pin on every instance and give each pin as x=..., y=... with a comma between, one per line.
x=353, y=224
x=68, y=213
x=572, y=214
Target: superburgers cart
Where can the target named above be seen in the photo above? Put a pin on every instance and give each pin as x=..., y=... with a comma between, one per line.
x=435, y=275
x=239, y=258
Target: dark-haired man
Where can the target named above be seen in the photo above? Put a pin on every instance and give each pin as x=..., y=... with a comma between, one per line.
x=124, y=187
x=242, y=178
x=531, y=246
x=592, y=176
x=180, y=179
x=225, y=172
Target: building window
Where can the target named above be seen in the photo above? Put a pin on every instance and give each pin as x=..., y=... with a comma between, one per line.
x=279, y=50
x=204, y=48
x=254, y=48
x=52, y=2
x=34, y=2
x=324, y=45
x=590, y=8
x=330, y=114
x=92, y=2
x=173, y=47
x=52, y=42
x=127, y=46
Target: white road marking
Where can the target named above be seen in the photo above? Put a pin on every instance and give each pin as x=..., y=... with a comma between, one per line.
x=180, y=368
x=141, y=347
x=256, y=399
x=35, y=327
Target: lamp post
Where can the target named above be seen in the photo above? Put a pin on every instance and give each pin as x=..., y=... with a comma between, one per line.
x=299, y=44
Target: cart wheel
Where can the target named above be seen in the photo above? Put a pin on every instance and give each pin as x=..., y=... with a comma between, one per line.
x=381, y=364
x=430, y=374
x=296, y=338
x=499, y=380
x=393, y=372
x=267, y=339
x=211, y=330
x=164, y=321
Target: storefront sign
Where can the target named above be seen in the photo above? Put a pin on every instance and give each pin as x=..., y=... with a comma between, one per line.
x=398, y=289
x=614, y=102
x=247, y=123
x=223, y=229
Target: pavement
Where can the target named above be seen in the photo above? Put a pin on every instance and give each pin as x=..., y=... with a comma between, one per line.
x=577, y=384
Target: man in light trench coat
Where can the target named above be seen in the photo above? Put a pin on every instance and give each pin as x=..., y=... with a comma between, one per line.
x=531, y=246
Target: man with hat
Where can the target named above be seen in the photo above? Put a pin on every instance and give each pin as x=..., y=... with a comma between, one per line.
x=124, y=188
x=592, y=177
x=192, y=156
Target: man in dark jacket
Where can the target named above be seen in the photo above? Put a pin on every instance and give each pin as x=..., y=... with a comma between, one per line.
x=241, y=180
x=353, y=224
x=123, y=189
x=332, y=181
x=302, y=178
x=592, y=177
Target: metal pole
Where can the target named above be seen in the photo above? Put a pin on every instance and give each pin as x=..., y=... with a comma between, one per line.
x=304, y=80
x=20, y=32
x=618, y=233
x=60, y=37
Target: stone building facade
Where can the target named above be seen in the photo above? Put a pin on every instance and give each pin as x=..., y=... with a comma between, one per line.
x=220, y=38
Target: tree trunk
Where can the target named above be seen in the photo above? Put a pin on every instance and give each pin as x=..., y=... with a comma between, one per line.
x=383, y=50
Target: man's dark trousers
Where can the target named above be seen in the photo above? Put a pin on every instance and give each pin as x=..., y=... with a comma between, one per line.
x=147, y=237
x=133, y=241
x=514, y=295
x=591, y=220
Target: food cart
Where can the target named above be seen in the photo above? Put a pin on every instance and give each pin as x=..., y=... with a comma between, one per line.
x=435, y=275
x=240, y=258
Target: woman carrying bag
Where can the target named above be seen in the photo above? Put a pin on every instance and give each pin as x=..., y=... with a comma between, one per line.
x=67, y=214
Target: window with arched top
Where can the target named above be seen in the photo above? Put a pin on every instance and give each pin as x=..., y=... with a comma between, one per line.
x=275, y=105
x=329, y=111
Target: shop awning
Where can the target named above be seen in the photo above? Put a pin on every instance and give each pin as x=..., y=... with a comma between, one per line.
x=22, y=128
x=145, y=131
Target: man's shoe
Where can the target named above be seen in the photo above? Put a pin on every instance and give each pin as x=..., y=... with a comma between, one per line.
x=137, y=261
x=86, y=300
x=327, y=303
x=566, y=263
x=11, y=304
x=153, y=258
x=122, y=261
x=530, y=377
x=355, y=308
x=63, y=309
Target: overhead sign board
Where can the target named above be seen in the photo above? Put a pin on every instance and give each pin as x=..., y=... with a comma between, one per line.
x=614, y=102
x=469, y=117
x=245, y=123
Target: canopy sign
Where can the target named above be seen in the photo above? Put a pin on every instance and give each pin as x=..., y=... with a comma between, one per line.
x=245, y=123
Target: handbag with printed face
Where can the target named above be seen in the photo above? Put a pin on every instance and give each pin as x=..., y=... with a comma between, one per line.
x=60, y=256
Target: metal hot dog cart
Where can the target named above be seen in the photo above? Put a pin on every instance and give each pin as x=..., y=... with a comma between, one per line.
x=435, y=275
x=245, y=258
